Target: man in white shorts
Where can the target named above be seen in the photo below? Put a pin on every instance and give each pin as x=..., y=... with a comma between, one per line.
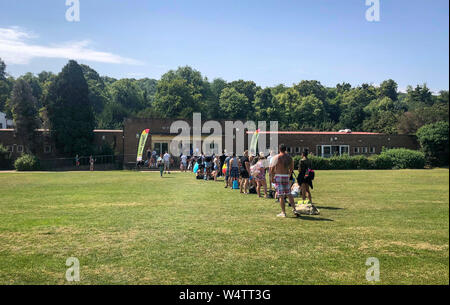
x=183, y=162
x=166, y=159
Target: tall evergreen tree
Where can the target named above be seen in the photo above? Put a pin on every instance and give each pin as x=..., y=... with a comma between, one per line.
x=24, y=111
x=69, y=111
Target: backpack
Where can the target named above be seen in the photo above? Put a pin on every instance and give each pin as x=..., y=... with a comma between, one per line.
x=252, y=190
x=235, y=185
x=310, y=174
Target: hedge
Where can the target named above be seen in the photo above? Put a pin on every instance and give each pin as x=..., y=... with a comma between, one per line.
x=27, y=163
x=406, y=158
x=389, y=159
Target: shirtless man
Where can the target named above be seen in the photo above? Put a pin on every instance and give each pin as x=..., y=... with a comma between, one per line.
x=281, y=169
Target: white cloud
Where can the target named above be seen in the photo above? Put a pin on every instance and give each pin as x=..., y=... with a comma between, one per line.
x=16, y=48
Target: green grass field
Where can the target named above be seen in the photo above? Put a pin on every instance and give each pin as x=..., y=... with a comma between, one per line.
x=136, y=228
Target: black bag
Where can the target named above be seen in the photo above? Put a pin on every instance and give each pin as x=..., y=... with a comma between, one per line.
x=271, y=194
x=252, y=190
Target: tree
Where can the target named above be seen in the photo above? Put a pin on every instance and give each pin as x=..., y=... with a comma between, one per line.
x=175, y=99
x=148, y=87
x=311, y=87
x=353, y=104
x=69, y=111
x=434, y=140
x=24, y=111
x=180, y=93
x=112, y=116
x=410, y=121
x=289, y=100
x=2, y=70
x=98, y=94
x=418, y=97
x=234, y=104
x=5, y=86
x=343, y=87
x=126, y=92
x=35, y=86
x=249, y=89
x=388, y=88
x=310, y=112
x=211, y=107
x=266, y=106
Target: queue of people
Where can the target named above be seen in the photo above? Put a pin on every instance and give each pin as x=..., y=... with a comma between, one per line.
x=248, y=175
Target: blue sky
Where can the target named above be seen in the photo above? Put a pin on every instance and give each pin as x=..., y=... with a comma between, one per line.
x=268, y=41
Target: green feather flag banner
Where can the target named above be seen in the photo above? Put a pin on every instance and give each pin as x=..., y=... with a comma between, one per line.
x=142, y=142
x=254, y=143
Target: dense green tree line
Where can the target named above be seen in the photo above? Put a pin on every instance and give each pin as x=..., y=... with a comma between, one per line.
x=80, y=94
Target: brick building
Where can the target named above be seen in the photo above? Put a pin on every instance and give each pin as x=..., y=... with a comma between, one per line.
x=323, y=144
x=125, y=142
x=46, y=150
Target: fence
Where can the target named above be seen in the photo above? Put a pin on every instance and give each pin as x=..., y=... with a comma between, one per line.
x=102, y=162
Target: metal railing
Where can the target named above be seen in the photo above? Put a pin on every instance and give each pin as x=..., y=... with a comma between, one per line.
x=101, y=162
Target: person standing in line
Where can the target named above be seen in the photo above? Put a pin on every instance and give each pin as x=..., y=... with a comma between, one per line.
x=149, y=157
x=217, y=168
x=183, y=162
x=260, y=170
x=154, y=158
x=227, y=171
x=221, y=163
x=234, y=169
x=166, y=159
x=304, y=179
x=91, y=163
x=269, y=165
x=281, y=169
x=245, y=173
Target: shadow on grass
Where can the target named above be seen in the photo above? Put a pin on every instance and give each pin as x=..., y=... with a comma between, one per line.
x=312, y=218
x=329, y=208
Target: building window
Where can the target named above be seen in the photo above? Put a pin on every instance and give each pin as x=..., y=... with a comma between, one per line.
x=356, y=150
x=344, y=149
x=298, y=150
x=372, y=150
x=20, y=148
x=47, y=149
x=10, y=148
x=319, y=150
x=364, y=150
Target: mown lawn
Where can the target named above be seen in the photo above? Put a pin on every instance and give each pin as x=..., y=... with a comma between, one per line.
x=136, y=228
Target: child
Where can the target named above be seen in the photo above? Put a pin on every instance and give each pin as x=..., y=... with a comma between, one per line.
x=295, y=190
x=160, y=164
